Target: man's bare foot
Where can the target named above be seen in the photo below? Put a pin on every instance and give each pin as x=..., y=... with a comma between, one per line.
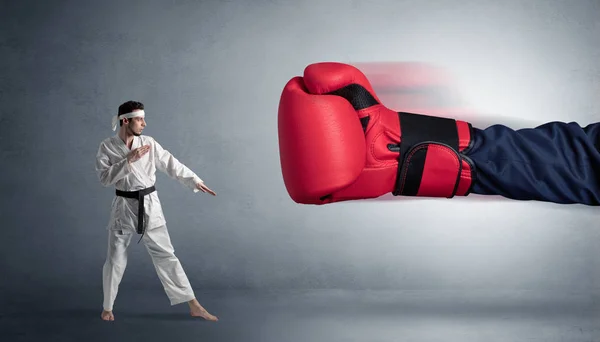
x=107, y=315
x=196, y=310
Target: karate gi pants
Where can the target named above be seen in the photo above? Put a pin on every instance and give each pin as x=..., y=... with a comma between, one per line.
x=556, y=162
x=167, y=265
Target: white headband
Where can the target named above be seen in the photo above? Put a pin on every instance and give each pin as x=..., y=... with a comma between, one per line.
x=116, y=119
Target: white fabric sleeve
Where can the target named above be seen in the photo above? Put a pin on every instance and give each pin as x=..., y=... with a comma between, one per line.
x=168, y=164
x=107, y=173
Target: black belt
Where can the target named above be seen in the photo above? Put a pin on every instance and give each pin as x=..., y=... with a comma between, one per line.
x=139, y=195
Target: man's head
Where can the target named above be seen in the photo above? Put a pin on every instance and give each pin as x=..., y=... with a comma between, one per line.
x=133, y=125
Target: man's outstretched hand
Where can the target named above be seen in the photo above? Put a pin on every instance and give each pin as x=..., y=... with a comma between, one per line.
x=200, y=186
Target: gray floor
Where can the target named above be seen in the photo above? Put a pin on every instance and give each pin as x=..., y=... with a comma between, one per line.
x=53, y=315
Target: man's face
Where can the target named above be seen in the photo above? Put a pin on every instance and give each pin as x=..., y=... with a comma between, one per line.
x=136, y=126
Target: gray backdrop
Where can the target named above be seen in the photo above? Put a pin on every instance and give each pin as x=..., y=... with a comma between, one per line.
x=210, y=74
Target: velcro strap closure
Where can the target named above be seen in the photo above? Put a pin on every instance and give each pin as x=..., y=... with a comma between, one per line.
x=430, y=164
x=430, y=169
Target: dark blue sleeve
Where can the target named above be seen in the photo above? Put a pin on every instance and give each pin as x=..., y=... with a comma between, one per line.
x=555, y=162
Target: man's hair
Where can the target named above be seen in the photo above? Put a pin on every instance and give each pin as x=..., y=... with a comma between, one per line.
x=128, y=107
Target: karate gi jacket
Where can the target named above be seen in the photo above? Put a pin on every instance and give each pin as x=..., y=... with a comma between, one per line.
x=113, y=169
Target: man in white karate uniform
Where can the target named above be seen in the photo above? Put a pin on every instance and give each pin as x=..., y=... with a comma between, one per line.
x=128, y=161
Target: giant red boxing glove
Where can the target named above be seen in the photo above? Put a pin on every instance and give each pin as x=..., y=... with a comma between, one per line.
x=337, y=142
